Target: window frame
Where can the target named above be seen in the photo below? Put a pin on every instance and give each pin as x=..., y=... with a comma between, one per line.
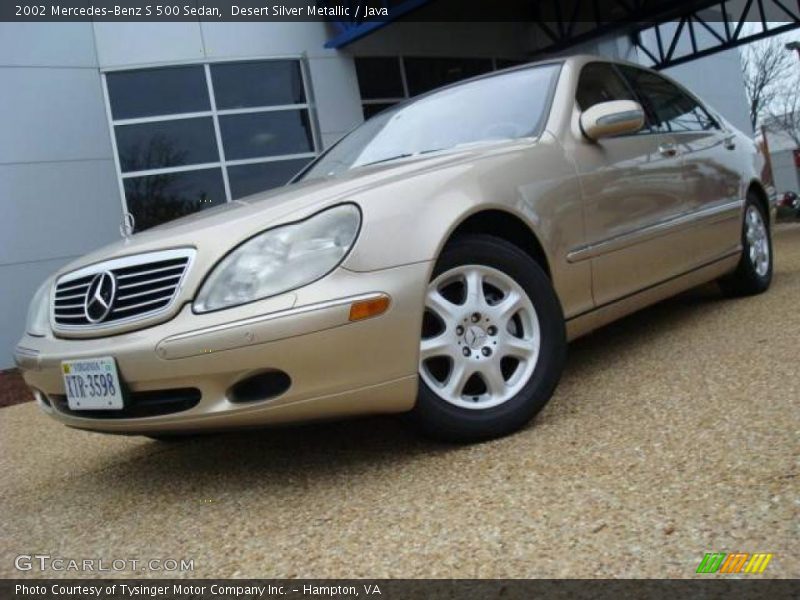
x=309, y=105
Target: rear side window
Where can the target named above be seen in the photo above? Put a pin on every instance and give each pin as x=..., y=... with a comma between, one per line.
x=600, y=82
x=668, y=107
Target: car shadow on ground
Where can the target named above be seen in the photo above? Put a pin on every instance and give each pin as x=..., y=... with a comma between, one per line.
x=281, y=455
x=642, y=327
x=290, y=459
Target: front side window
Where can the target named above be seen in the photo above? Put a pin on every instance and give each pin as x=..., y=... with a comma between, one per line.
x=670, y=109
x=600, y=82
x=507, y=106
x=191, y=137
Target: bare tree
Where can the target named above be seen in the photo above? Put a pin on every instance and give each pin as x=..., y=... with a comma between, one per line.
x=785, y=115
x=766, y=66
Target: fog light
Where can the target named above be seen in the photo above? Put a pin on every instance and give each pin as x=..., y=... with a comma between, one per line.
x=365, y=309
x=262, y=386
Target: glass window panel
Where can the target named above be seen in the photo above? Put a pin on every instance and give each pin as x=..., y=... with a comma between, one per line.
x=156, y=199
x=374, y=109
x=599, y=82
x=166, y=144
x=424, y=74
x=271, y=133
x=669, y=107
x=264, y=83
x=251, y=179
x=379, y=77
x=506, y=106
x=154, y=92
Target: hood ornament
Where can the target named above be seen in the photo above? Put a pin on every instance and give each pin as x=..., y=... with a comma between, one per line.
x=127, y=225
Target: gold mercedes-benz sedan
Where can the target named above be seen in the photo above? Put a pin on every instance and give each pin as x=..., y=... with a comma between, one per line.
x=435, y=262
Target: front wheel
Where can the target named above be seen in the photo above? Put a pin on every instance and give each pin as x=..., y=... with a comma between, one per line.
x=493, y=341
x=753, y=274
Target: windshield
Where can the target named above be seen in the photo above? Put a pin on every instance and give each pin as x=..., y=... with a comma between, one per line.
x=506, y=106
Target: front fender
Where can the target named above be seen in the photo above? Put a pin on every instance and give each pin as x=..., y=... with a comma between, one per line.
x=409, y=220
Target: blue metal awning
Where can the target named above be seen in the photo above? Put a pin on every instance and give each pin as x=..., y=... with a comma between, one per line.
x=357, y=27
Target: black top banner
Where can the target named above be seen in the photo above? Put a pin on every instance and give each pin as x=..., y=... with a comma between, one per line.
x=347, y=11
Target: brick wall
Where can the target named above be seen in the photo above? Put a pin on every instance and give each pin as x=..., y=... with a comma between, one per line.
x=12, y=388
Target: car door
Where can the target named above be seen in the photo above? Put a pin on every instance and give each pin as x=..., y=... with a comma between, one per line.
x=711, y=169
x=632, y=185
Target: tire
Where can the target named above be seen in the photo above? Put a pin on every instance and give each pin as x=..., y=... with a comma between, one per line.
x=487, y=327
x=753, y=274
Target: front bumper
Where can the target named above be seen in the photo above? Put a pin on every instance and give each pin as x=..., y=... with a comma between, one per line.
x=337, y=367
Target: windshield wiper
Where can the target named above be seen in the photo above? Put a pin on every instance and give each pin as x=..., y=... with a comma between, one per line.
x=398, y=156
x=480, y=143
x=463, y=146
x=383, y=160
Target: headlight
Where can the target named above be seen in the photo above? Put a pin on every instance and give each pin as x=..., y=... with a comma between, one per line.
x=281, y=259
x=38, y=322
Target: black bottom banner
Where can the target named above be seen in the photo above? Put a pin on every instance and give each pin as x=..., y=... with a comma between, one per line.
x=391, y=589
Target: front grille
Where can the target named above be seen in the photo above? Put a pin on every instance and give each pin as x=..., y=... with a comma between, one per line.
x=152, y=403
x=142, y=286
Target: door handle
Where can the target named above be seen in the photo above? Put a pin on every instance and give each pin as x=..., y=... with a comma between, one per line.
x=729, y=142
x=668, y=150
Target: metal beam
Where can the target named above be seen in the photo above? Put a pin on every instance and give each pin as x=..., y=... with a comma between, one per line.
x=729, y=34
x=591, y=19
x=666, y=31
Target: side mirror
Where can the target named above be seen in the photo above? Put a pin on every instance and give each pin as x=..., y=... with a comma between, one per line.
x=607, y=119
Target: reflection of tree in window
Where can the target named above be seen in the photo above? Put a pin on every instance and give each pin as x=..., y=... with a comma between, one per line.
x=159, y=152
x=155, y=199
x=155, y=145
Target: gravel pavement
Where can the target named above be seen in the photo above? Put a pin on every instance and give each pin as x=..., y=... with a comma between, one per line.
x=674, y=432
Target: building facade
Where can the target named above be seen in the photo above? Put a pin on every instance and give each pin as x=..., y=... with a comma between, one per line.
x=163, y=119
x=784, y=158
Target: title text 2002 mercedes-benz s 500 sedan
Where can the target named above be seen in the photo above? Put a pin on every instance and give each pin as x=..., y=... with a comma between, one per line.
x=435, y=261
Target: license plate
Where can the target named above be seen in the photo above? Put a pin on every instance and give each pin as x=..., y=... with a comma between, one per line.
x=92, y=384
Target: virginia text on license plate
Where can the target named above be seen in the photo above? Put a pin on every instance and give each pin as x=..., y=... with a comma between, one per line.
x=92, y=384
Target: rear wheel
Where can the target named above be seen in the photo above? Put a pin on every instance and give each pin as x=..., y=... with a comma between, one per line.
x=493, y=341
x=753, y=274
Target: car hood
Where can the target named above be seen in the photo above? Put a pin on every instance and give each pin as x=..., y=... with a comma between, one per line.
x=214, y=231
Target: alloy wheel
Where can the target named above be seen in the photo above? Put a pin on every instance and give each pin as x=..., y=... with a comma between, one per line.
x=480, y=339
x=757, y=240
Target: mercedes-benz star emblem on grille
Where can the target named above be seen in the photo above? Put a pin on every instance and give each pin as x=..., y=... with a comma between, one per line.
x=100, y=297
